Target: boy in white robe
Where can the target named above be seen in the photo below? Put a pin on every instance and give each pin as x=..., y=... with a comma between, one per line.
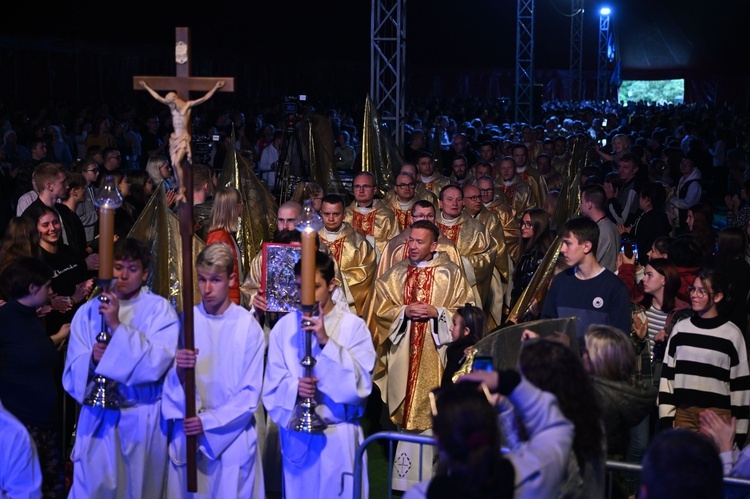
x=20, y=474
x=121, y=452
x=228, y=362
x=314, y=464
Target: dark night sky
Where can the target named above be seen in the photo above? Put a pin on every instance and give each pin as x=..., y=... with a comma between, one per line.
x=470, y=33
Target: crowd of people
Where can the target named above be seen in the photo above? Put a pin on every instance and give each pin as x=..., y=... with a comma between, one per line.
x=653, y=265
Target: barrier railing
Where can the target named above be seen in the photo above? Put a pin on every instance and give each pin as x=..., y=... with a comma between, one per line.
x=393, y=437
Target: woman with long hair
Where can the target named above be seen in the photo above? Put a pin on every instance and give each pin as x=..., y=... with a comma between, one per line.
x=69, y=284
x=159, y=170
x=705, y=364
x=309, y=190
x=555, y=368
x=610, y=360
x=657, y=301
x=224, y=223
x=464, y=422
x=141, y=189
x=21, y=240
x=467, y=327
x=125, y=214
x=730, y=260
x=536, y=239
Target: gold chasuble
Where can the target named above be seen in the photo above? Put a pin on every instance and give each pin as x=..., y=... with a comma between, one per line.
x=493, y=303
x=401, y=210
x=356, y=261
x=494, y=225
x=397, y=251
x=435, y=183
x=511, y=229
x=518, y=194
x=378, y=224
x=537, y=184
x=476, y=247
x=412, y=353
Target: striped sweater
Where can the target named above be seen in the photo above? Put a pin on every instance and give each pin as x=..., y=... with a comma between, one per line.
x=705, y=365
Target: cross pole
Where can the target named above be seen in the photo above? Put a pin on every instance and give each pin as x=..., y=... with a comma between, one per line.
x=182, y=83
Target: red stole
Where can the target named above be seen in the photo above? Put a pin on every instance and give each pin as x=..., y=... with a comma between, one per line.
x=336, y=247
x=364, y=224
x=417, y=289
x=509, y=191
x=451, y=232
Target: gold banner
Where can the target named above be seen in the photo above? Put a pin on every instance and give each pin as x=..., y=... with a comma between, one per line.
x=379, y=152
x=504, y=344
x=568, y=206
x=258, y=218
x=320, y=153
x=159, y=228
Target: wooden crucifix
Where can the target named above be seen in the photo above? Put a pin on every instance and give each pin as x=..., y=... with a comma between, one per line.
x=179, y=150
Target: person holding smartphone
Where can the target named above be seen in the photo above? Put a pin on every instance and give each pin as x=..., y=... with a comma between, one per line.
x=467, y=327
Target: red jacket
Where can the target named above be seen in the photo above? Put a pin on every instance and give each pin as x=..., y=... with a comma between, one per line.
x=222, y=236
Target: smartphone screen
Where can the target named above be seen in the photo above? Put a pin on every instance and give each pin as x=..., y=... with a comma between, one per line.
x=482, y=363
x=629, y=249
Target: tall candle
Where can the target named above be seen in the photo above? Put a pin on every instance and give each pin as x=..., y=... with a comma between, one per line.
x=307, y=274
x=106, y=242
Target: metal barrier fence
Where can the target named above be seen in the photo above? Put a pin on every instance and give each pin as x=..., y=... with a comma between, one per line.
x=393, y=437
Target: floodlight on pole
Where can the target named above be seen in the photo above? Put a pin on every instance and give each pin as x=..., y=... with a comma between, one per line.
x=602, y=80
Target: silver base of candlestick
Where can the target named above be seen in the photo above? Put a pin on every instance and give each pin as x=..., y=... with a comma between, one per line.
x=304, y=418
x=102, y=391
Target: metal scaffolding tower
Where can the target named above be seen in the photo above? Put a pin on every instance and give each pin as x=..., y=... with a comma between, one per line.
x=524, y=94
x=602, y=74
x=576, y=50
x=387, y=63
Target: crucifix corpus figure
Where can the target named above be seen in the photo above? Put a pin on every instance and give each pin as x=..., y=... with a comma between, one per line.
x=179, y=140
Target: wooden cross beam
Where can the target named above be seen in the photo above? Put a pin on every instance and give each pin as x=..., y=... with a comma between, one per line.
x=182, y=83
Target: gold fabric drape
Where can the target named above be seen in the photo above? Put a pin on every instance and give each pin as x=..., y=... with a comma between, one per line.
x=320, y=155
x=159, y=228
x=504, y=344
x=380, y=156
x=568, y=206
x=258, y=218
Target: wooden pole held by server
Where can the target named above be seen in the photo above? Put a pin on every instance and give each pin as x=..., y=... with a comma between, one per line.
x=182, y=83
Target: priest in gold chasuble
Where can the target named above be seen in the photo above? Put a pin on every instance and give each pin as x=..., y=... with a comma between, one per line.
x=413, y=305
x=498, y=204
x=354, y=255
x=517, y=191
x=403, y=198
x=432, y=180
x=472, y=239
x=369, y=216
x=398, y=248
x=495, y=300
x=528, y=173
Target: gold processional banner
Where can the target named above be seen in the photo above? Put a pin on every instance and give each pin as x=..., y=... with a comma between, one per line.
x=504, y=344
x=568, y=206
x=159, y=228
x=380, y=156
x=258, y=219
x=320, y=150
